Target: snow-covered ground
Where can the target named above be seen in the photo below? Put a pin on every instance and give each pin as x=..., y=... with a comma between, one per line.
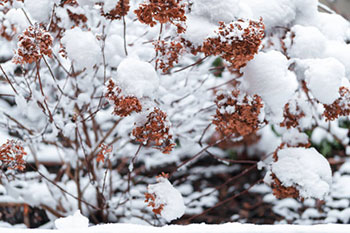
x=195, y=228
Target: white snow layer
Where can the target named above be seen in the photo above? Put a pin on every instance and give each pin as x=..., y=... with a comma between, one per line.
x=39, y=10
x=324, y=78
x=308, y=42
x=195, y=228
x=82, y=48
x=267, y=75
x=75, y=221
x=170, y=197
x=137, y=78
x=217, y=11
x=305, y=169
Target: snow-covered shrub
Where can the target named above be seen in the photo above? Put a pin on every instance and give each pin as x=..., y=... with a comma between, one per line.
x=115, y=92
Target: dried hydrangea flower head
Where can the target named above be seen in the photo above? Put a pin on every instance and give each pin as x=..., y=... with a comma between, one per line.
x=340, y=107
x=123, y=105
x=237, y=113
x=299, y=172
x=236, y=42
x=12, y=155
x=162, y=11
x=292, y=114
x=33, y=44
x=164, y=199
x=104, y=152
x=121, y=9
x=155, y=132
x=170, y=52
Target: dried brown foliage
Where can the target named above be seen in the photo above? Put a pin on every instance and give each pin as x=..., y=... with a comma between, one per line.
x=170, y=53
x=291, y=117
x=237, y=113
x=77, y=18
x=121, y=9
x=6, y=33
x=340, y=107
x=162, y=11
x=151, y=198
x=123, y=105
x=281, y=191
x=234, y=43
x=34, y=43
x=12, y=155
x=155, y=132
x=103, y=152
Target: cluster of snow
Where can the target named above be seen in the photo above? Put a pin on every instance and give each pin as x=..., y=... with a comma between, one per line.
x=82, y=48
x=267, y=75
x=305, y=169
x=165, y=194
x=137, y=78
x=76, y=221
x=324, y=78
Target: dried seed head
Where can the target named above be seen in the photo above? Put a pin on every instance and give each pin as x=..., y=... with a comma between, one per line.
x=34, y=43
x=121, y=9
x=123, y=105
x=12, y=155
x=236, y=42
x=155, y=132
x=340, y=107
x=237, y=113
x=162, y=11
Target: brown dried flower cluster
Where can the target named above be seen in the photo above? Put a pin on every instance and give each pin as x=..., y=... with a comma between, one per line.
x=12, y=155
x=121, y=9
x=237, y=113
x=6, y=33
x=34, y=43
x=155, y=132
x=123, y=105
x=170, y=53
x=2, y=2
x=236, y=42
x=77, y=18
x=340, y=107
x=291, y=116
x=163, y=11
x=103, y=153
x=280, y=191
x=151, y=199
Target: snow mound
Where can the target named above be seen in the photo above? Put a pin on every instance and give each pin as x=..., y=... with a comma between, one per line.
x=267, y=75
x=224, y=11
x=293, y=137
x=308, y=42
x=137, y=78
x=170, y=197
x=72, y=222
x=305, y=169
x=324, y=78
x=82, y=48
x=40, y=10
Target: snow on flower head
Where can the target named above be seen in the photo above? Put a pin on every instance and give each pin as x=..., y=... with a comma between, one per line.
x=301, y=172
x=324, y=78
x=165, y=199
x=224, y=11
x=72, y=222
x=267, y=75
x=39, y=10
x=137, y=78
x=82, y=48
x=305, y=42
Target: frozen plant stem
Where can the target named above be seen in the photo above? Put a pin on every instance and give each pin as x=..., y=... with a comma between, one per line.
x=124, y=35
